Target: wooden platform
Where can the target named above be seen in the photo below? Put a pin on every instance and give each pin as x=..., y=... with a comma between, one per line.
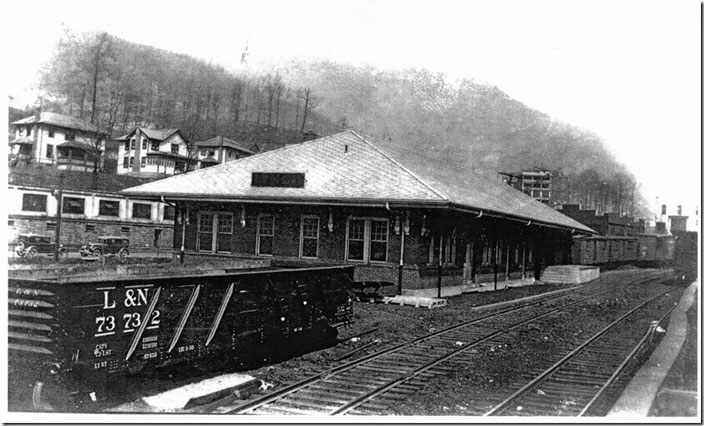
x=569, y=274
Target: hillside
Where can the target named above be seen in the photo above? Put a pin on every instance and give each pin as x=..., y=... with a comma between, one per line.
x=116, y=84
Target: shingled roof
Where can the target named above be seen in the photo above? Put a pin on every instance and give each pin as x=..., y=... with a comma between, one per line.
x=60, y=120
x=223, y=141
x=155, y=134
x=347, y=168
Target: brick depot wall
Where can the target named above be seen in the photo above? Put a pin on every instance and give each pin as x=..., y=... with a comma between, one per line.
x=74, y=233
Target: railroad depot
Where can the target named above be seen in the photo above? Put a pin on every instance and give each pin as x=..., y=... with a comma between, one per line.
x=404, y=219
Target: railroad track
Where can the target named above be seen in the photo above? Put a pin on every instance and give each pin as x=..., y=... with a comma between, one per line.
x=572, y=385
x=376, y=381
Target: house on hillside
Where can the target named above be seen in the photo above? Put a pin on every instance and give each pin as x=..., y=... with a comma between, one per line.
x=153, y=152
x=218, y=150
x=58, y=140
x=427, y=227
x=91, y=206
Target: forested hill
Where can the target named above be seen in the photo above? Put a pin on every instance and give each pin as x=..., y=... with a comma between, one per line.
x=115, y=84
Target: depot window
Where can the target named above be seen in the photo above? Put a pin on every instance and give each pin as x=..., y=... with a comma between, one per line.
x=73, y=205
x=141, y=211
x=367, y=239
x=34, y=203
x=109, y=208
x=215, y=231
x=265, y=235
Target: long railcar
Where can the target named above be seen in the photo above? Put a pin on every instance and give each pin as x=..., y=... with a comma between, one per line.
x=76, y=335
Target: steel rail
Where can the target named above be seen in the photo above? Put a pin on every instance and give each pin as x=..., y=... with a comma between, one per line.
x=347, y=366
x=625, y=362
x=567, y=357
x=253, y=405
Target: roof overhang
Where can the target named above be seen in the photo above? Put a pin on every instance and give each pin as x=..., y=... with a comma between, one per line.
x=361, y=202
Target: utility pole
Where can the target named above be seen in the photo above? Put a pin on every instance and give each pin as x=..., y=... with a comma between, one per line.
x=59, y=207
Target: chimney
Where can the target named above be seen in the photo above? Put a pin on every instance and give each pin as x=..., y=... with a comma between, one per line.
x=137, y=165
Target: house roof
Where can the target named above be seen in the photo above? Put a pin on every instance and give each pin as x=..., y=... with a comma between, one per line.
x=61, y=120
x=155, y=134
x=348, y=168
x=22, y=140
x=223, y=141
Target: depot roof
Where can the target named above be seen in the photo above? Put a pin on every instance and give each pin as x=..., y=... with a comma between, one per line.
x=347, y=168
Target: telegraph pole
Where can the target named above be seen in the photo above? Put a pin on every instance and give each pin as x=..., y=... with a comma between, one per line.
x=59, y=207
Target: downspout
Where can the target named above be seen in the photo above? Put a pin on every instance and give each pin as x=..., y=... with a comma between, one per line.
x=400, y=263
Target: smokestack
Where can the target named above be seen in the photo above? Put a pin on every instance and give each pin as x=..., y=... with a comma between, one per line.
x=136, y=167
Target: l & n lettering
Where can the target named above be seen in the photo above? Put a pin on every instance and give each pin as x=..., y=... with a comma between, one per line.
x=132, y=298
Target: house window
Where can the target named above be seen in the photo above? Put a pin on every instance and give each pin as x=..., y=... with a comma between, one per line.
x=109, y=208
x=169, y=213
x=29, y=131
x=34, y=203
x=211, y=153
x=125, y=229
x=174, y=148
x=144, y=162
x=141, y=211
x=50, y=151
x=131, y=162
x=367, y=239
x=155, y=146
x=125, y=162
x=127, y=145
x=73, y=205
x=10, y=223
x=90, y=227
x=310, y=226
x=134, y=144
x=265, y=235
x=51, y=132
x=144, y=144
x=70, y=136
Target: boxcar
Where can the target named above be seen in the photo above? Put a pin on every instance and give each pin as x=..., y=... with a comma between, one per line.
x=686, y=257
x=76, y=335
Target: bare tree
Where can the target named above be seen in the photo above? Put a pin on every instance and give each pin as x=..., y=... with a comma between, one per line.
x=309, y=104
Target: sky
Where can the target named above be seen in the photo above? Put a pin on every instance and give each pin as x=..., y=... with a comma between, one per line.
x=629, y=71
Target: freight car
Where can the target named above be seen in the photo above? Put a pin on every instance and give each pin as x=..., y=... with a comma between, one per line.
x=612, y=251
x=605, y=251
x=75, y=336
x=686, y=257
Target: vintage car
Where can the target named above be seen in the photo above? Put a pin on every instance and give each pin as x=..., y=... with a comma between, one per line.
x=32, y=244
x=107, y=245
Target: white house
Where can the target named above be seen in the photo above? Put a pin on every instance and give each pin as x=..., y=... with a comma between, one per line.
x=218, y=150
x=58, y=140
x=146, y=151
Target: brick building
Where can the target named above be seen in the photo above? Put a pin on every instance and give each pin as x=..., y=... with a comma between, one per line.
x=91, y=206
x=401, y=218
x=605, y=224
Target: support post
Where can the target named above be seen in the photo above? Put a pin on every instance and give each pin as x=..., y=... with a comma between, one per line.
x=523, y=264
x=184, y=214
x=440, y=267
x=59, y=207
x=495, y=258
x=400, y=263
x=508, y=260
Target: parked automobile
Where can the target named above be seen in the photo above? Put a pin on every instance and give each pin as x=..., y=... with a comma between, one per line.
x=107, y=245
x=32, y=244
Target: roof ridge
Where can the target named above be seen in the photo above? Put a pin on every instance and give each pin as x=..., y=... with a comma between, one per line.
x=402, y=167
